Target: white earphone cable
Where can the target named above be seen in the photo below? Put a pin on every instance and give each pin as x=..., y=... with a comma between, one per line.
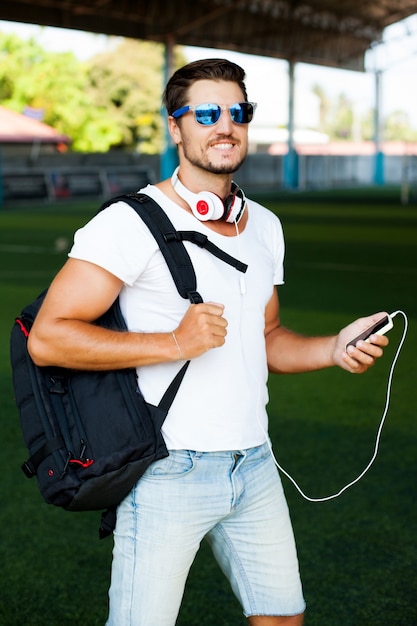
x=242, y=281
x=379, y=432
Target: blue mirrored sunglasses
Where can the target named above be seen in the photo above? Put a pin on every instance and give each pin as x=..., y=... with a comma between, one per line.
x=209, y=114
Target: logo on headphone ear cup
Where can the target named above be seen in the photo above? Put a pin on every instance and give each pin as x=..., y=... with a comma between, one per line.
x=207, y=206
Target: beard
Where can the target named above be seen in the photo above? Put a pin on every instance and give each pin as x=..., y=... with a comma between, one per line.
x=203, y=162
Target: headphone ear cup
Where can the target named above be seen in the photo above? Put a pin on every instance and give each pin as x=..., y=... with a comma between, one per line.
x=207, y=206
x=234, y=205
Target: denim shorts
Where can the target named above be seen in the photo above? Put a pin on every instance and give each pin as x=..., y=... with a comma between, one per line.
x=235, y=500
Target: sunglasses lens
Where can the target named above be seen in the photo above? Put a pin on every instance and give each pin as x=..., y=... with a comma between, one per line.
x=207, y=114
x=242, y=113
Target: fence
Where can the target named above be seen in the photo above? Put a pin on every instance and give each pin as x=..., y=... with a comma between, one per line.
x=76, y=176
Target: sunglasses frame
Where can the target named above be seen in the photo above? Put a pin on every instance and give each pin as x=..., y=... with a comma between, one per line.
x=194, y=107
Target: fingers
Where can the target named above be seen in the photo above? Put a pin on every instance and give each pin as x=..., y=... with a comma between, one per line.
x=361, y=354
x=364, y=354
x=202, y=328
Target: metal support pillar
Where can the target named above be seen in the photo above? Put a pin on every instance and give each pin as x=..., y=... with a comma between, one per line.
x=169, y=157
x=379, y=177
x=291, y=158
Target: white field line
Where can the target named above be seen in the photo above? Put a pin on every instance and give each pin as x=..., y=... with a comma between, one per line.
x=61, y=244
x=24, y=249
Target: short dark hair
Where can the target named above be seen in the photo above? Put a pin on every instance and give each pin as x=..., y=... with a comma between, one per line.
x=176, y=91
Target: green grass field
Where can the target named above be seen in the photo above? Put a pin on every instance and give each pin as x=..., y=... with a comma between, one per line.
x=346, y=257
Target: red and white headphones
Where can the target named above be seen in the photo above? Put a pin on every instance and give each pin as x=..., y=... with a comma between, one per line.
x=208, y=206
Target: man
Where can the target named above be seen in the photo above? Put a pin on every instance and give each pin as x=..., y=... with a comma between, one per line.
x=219, y=481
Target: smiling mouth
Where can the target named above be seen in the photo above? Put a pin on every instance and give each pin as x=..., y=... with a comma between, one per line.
x=223, y=146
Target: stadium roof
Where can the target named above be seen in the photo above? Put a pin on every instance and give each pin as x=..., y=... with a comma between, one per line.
x=334, y=33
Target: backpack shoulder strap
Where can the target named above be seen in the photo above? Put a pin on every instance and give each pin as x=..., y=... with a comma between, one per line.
x=170, y=242
x=171, y=246
x=179, y=264
x=203, y=241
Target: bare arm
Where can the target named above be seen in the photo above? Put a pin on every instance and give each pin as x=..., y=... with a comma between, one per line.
x=63, y=333
x=289, y=352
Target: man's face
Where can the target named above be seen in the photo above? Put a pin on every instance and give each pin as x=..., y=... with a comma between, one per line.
x=221, y=148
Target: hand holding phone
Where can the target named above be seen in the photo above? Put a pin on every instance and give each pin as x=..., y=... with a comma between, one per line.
x=380, y=327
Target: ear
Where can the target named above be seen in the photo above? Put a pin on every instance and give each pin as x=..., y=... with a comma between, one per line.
x=174, y=130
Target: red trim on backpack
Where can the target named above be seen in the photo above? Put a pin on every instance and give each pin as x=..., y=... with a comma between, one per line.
x=22, y=327
x=85, y=463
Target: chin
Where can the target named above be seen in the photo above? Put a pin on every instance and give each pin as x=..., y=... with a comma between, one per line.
x=225, y=168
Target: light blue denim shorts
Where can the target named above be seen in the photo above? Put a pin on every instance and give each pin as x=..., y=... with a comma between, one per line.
x=235, y=500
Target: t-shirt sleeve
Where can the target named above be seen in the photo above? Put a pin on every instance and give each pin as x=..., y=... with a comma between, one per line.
x=271, y=237
x=279, y=252
x=117, y=240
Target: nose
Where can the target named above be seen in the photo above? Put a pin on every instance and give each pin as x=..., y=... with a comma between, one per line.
x=225, y=125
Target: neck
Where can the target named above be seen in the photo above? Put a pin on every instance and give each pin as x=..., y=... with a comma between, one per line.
x=197, y=180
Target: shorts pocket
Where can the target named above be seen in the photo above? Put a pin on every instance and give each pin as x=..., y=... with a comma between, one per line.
x=178, y=463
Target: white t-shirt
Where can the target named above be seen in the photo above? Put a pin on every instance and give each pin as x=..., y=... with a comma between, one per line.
x=222, y=399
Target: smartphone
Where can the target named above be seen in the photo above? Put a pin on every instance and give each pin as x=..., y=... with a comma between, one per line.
x=379, y=328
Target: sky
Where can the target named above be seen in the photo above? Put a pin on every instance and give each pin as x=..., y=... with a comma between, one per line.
x=267, y=79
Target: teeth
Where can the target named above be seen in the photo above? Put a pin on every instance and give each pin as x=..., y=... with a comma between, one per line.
x=223, y=146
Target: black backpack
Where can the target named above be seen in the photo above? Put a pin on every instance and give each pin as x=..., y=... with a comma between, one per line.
x=91, y=434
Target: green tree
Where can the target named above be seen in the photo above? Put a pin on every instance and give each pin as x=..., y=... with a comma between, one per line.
x=325, y=105
x=368, y=125
x=112, y=101
x=397, y=127
x=56, y=84
x=129, y=79
x=342, y=122
x=336, y=118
